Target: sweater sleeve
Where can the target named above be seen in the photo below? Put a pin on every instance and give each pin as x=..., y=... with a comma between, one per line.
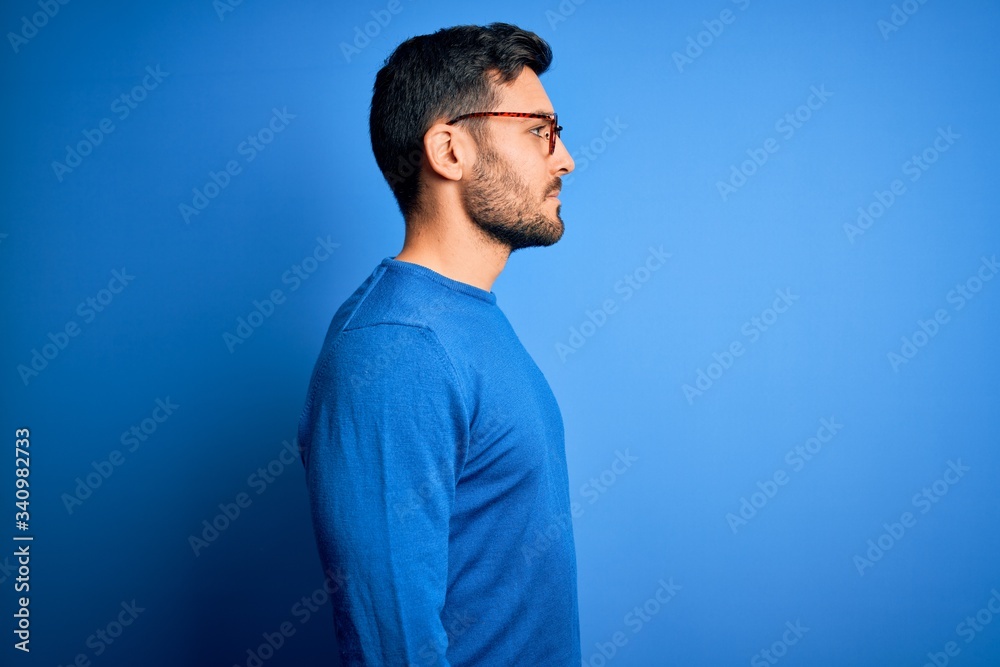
x=384, y=438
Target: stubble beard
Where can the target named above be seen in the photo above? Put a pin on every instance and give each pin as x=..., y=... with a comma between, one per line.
x=505, y=209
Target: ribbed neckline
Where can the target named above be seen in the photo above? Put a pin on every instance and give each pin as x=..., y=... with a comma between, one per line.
x=419, y=269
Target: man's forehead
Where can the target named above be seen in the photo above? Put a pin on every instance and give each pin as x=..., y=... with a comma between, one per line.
x=526, y=93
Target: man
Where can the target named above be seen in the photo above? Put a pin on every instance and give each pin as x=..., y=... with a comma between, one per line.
x=433, y=445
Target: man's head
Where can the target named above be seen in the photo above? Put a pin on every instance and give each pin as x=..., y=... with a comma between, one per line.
x=499, y=169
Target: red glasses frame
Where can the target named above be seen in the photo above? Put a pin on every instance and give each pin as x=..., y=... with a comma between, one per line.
x=554, y=127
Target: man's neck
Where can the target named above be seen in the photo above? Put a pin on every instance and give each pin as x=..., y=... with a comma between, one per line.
x=473, y=259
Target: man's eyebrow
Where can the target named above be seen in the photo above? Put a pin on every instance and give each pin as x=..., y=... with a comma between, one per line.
x=540, y=111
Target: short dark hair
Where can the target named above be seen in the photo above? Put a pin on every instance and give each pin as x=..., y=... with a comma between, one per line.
x=442, y=75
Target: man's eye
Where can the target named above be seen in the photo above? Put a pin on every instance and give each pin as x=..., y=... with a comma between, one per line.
x=541, y=131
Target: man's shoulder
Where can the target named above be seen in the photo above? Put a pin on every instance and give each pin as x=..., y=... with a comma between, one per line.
x=391, y=318
x=378, y=358
x=403, y=318
x=394, y=297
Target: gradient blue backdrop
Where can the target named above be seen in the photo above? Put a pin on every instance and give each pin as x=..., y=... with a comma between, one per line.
x=661, y=103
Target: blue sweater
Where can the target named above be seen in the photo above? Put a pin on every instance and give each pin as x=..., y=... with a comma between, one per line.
x=436, y=469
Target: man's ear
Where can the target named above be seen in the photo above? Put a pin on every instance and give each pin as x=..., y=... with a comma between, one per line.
x=448, y=150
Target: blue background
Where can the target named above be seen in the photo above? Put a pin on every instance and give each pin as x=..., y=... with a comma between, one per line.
x=797, y=554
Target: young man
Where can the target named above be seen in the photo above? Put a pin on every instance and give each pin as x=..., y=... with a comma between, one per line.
x=433, y=445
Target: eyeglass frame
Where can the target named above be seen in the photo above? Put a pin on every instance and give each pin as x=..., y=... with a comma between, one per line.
x=554, y=127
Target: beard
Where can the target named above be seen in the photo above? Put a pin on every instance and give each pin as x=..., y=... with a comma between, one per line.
x=505, y=208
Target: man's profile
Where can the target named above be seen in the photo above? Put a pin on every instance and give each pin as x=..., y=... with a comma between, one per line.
x=433, y=445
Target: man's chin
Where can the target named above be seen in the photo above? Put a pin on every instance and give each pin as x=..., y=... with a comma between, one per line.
x=547, y=240
x=560, y=226
x=562, y=230
x=542, y=232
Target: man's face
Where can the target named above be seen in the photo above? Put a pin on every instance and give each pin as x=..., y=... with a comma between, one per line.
x=511, y=193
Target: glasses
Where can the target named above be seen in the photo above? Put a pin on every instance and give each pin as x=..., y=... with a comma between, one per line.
x=554, y=128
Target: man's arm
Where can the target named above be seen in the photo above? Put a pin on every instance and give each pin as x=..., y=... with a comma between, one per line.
x=386, y=433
